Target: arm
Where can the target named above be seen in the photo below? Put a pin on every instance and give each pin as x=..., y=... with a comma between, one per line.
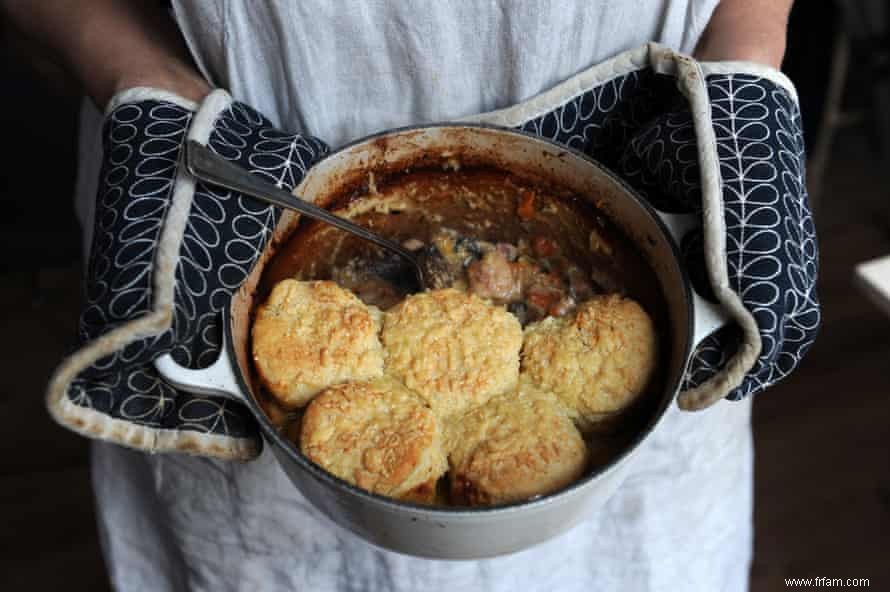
x=749, y=30
x=111, y=45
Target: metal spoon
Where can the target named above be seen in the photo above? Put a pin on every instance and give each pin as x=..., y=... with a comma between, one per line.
x=431, y=269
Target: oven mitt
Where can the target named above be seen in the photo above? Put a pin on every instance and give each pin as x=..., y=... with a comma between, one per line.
x=722, y=141
x=166, y=254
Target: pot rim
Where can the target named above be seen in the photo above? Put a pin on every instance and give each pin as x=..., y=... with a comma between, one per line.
x=276, y=439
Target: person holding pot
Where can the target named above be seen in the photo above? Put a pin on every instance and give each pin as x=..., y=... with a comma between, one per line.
x=335, y=71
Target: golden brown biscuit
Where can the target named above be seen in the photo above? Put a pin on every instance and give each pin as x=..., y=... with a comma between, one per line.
x=453, y=348
x=597, y=361
x=377, y=435
x=515, y=446
x=310, y=335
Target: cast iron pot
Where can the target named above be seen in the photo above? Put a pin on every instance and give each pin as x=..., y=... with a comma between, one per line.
x=455, y=532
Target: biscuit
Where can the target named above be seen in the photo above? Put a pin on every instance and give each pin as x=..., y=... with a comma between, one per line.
x=597, y=362
x=453, y=348
x=377, y=435
x=310, y=335
x=517, y=445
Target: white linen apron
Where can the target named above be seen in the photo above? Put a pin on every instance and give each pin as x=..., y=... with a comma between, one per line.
x=681, y=520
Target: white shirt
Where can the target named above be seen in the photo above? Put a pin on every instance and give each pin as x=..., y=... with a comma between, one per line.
x=681, y=520
x=342, y=70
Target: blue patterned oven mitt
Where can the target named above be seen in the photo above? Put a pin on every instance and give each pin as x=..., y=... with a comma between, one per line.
x=167, y=252
x=724, y=141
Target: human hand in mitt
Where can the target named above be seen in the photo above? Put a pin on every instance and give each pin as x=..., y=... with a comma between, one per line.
x=720, y=142
x=167, y=253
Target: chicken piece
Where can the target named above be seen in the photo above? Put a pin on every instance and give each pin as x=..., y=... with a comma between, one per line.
x=493, y=277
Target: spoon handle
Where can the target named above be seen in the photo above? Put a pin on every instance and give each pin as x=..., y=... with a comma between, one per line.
x=212, y=168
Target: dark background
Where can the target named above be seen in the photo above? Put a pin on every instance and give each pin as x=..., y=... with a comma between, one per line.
x=822, y=437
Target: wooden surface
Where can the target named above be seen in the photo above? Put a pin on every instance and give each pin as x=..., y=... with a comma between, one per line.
x=823, y=436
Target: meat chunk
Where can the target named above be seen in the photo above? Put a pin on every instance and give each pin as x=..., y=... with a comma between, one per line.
x=511, y=252
x=493, y=277
x=541, y=300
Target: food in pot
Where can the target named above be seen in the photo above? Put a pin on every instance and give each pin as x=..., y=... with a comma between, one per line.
x=597, y=361
x=310, y=335
x=450, y=358
x=523, y=253
x=367, y=284
x=557, y=254
x=532, y=278
x=516, y=446
x=453, y=348
x=377, y=435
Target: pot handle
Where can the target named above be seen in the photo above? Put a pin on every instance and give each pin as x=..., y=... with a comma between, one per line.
x=707, y=316
x=216, y=380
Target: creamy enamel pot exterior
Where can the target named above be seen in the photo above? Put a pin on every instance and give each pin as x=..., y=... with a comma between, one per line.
x=449, y=532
